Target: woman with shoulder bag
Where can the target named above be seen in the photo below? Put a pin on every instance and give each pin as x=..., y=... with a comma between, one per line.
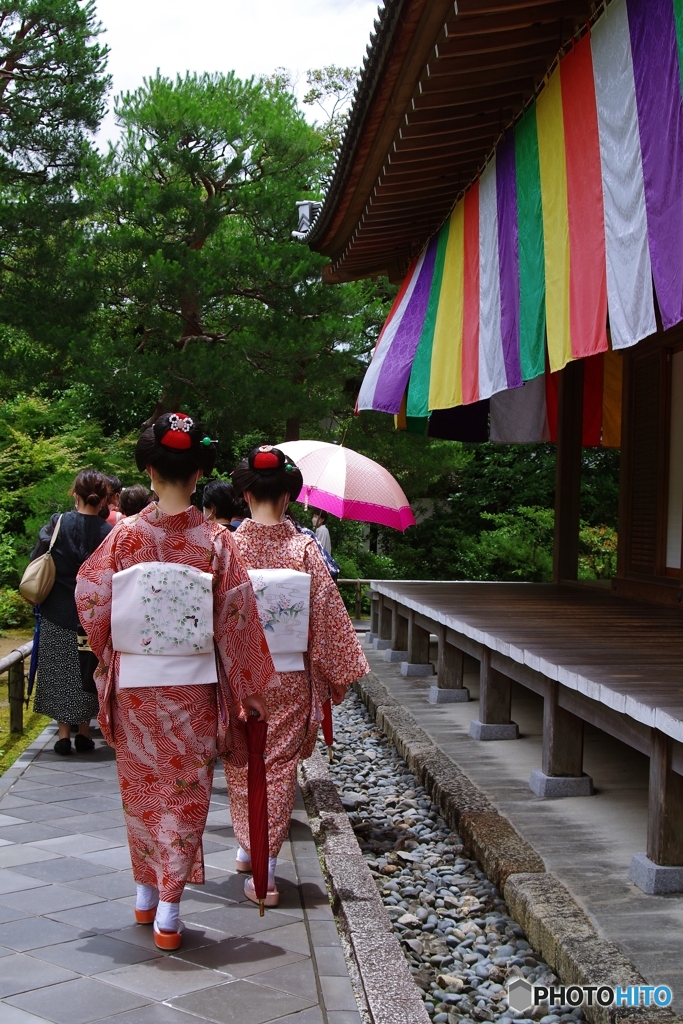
x=60, y=692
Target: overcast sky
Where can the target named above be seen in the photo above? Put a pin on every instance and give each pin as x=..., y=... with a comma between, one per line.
x=250, y=37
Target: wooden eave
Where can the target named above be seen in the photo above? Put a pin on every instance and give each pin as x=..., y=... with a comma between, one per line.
x=449, y=80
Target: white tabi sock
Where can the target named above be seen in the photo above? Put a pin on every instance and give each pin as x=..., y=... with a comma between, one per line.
x=272, y=863
x=167, y=916
x=243, y=856
x=146, y=897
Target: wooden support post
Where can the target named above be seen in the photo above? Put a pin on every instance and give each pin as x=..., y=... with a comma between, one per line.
x=385, y=618
x=660, y=870
x=562, y=737
x=15, y=686
x=495, y=695
x=382, y=640
x=665, y=808
x=562, y=772
x=450, y=669
x=359, y=602
x=399, y=631
x=568, y=472
x=450, y=664
x=374, y=613
x=417, y=643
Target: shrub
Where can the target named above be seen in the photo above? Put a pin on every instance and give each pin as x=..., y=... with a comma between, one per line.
x=15, y=612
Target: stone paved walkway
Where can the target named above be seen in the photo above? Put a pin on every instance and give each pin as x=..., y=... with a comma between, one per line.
x=71, y=954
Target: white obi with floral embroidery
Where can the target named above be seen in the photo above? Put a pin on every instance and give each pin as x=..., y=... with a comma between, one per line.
x=283, y=598
x=162, y=623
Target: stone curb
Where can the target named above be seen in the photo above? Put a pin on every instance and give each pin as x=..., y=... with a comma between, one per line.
x=555, y=924
x=392, y=995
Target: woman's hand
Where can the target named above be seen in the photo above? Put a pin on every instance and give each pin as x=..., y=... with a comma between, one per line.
x=255, y=703
x=337, y=693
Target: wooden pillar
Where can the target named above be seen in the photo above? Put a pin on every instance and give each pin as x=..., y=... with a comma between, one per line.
x=562, y=737
x=399, y=631
x=495, y=696
x=374, y=613
x=418, y=642
x=568, y=472
x=15, y=679
x=665, y=807
x=495, y=699
x=450, y=664
x=562, y=773
x=385, y=617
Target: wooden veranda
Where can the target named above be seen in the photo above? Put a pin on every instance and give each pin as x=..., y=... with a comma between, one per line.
x=615, y=663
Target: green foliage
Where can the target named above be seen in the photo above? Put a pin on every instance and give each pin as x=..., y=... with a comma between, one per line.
x=15, y=613
x=331, y=90
x=42, y=447
x=52, y=88
x=597, y=552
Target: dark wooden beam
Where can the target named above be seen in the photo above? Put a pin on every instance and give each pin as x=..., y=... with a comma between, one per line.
x=508, y=21
x=665, y=805
x=495, y=693
x=562, y=737
x=568, y=472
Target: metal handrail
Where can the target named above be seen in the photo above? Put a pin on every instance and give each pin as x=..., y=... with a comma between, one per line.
x=13, y=665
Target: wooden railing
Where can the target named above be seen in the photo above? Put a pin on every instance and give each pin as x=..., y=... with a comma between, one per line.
x=13, y=665
x=359, y=584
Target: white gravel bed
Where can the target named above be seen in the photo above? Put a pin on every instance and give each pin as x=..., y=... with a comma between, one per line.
x=454, y=928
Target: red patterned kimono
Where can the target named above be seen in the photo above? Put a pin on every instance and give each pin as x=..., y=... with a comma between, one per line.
x=334, y=656
x=167, y=738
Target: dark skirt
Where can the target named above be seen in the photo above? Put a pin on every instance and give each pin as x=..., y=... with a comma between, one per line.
x=59, y=690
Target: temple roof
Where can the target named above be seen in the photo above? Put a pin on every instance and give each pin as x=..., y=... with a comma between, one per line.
x=440, y=83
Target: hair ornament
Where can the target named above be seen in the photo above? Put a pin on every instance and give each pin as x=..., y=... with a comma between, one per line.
x=178, y=434
x=267, y=457
x=206, y=441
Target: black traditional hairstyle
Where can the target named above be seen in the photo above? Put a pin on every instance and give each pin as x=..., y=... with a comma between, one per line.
x=267, y=473
x=134, y=499
x=91, y=486
x=176, y=448
x=220, y=495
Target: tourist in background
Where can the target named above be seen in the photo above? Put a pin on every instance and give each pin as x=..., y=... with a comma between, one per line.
x=220, y=504
x=134, y=499
x=170, y=613
x=113, y=516
x=331, y=657
x=59, y=692
x=322, y=533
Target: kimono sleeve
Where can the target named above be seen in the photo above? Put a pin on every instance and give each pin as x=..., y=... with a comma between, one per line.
x=335, y=654
x=93, y=596
x=240, y=642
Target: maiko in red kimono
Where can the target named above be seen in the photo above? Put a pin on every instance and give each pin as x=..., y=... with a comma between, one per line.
x=167, y=738
x=335, y=658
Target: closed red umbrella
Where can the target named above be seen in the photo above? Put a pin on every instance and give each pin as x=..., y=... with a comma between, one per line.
x=258, y=806
x=328, y=728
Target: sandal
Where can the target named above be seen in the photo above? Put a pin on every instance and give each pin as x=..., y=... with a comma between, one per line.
x=84, y=745
x=145, y=916
x=272, y=896
x=168, y=940
x=243, y=866
x=63, y=747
